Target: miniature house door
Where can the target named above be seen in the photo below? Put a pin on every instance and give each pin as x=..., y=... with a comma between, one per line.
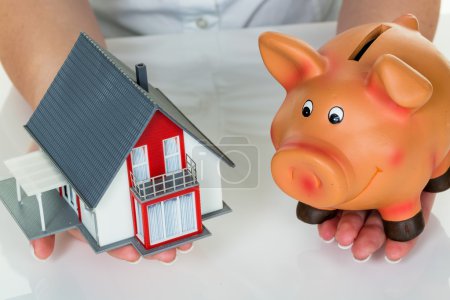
x=139, y=163
x=70, y=196
x=172, y=154
x=172, y=218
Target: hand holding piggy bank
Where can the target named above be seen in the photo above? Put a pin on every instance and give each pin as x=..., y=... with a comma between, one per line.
x=365, y=123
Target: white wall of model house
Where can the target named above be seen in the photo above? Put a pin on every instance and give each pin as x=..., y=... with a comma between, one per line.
x=113, y=215
x=208, y=174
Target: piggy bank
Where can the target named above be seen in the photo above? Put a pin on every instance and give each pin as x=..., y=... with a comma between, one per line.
x=365, y=123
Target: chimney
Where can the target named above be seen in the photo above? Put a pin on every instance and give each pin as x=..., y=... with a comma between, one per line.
x=141, y=76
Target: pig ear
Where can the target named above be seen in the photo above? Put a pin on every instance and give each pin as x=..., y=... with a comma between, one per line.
x=404, y=85
x=289, y=60
x=409, y=21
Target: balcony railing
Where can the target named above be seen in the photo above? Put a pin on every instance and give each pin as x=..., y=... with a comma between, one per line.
x=166, y=183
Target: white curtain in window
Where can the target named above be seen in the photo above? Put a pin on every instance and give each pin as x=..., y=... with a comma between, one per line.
x=171, y=155
x=155, y=217
x=172, y=218
x=138, y=156
x=170, y=146
x=140, y=173
x=139, y=218
x=187, y=213
x=139, y=161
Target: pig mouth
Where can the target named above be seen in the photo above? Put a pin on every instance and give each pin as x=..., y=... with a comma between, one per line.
x=372, y=178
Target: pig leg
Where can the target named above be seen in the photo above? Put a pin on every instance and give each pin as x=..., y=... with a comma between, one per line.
x=403, y=222
x=438, y=184
x=311, y=215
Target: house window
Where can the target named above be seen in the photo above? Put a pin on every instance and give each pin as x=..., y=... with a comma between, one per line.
x=172, y=218
x=172, y=157
x=139, y=162
x=188, y=216
x=140, y=231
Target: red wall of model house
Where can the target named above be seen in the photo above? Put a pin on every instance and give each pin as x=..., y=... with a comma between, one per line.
x=158, y=129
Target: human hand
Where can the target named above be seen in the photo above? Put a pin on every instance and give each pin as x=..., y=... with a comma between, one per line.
x=363, y=232
x=43, y=248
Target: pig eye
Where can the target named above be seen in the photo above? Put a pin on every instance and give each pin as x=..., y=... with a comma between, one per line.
x=336, y=115
x=307, y=108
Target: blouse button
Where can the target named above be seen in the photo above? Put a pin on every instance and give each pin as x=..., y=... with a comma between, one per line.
x=201, y=23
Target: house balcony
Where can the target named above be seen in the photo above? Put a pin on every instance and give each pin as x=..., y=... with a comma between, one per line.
x=167, y=183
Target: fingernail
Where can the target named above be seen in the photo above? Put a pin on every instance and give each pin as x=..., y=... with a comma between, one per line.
x=185, y=251
x=170, y=262
x=392, y=261
x=328, y=241
x=345, y=247
x=136, y=261
x=35, y=257
x=362, y=260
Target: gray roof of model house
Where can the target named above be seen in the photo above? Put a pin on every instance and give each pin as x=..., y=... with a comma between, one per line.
x=93, y=114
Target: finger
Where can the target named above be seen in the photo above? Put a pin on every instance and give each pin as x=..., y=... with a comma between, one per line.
x=427, y=200
x=128, y=253
x=77, y=234
x=395, y=251
x=33, y=147
x=349, y=226
x=186, y=248
x=370, y=238
x=167, y=256
x=43, y=248
x=327, y=230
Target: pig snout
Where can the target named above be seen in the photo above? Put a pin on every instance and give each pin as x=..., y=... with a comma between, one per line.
x=310, y=176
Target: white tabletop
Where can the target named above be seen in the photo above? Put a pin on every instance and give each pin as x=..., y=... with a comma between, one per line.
x=260, y=251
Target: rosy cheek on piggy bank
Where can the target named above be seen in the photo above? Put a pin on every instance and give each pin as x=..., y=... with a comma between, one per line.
x=396, y=158
x=395, y=92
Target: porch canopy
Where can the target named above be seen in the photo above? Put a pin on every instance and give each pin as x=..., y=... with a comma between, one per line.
x=35, y=173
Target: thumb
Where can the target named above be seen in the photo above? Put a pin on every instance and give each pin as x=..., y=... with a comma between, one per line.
x=43, y=248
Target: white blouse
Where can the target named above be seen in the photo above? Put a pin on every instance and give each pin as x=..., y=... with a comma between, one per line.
x=143, y=17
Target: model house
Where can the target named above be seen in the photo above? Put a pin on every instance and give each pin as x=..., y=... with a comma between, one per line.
x=119, y=160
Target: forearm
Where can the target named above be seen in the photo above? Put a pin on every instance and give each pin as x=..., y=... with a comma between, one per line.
x=35, y=38
x=356, y=12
